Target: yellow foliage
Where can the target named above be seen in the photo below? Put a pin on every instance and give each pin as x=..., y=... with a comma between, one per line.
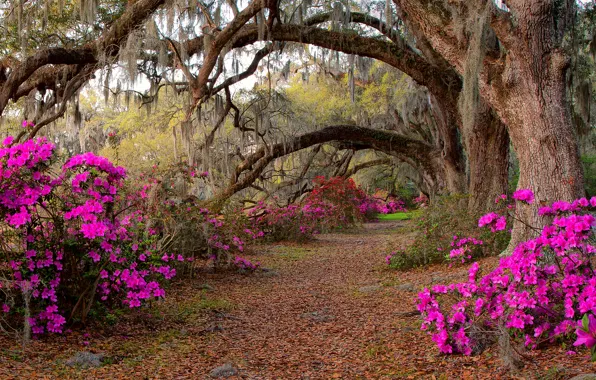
x=325, y=100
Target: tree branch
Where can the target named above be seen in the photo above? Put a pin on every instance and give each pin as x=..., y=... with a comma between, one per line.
x=108, y=45
x=384, y=141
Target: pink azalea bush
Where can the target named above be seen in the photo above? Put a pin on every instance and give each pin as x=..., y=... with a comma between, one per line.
x=186, y=226
x=229, y=235
x=536, y=295
x=71, y=237
x=370, y=207
x=195, y=232
x=463, y=249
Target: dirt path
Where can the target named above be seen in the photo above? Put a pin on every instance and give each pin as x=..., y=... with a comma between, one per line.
x=325, y=309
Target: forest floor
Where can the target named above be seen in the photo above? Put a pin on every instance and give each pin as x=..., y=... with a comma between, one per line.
x=324, y=309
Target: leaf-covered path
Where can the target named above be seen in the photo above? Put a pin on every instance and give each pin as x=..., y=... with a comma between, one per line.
x=324, y=309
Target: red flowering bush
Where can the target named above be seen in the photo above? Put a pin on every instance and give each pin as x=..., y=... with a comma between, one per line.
x=70, y=238
x=536, y=295
x=348, y=200
x=333, y=203
x=352, y=203
x=294, y=222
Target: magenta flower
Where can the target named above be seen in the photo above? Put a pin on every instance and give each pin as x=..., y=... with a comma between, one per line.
x=487, y=219
x=524, y=195
x=501, y=224
x=586, y=331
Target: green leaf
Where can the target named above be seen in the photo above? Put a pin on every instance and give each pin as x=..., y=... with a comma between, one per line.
x=585, y=323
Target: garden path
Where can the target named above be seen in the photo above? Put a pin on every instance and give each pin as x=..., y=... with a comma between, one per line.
x=324, y=309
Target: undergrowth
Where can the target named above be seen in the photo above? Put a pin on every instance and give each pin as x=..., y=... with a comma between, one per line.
x=439, y=228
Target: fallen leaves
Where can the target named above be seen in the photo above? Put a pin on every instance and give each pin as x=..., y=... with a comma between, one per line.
x=309, y=321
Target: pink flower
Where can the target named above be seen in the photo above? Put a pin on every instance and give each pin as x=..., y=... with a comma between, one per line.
x=94, y=256
x=486, y=219
x=501, y=224
x=20, y=218
x=524, y=195
x=586, y=332
x=93, y=230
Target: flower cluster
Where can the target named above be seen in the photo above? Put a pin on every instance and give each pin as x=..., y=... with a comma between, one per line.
x=70, y=236
x=421, y=201
x=245, y=264
x=586, y=333
x=390, y=256
x=537, y=293
x=524, y=195
x=27, y=124
x=495, y=221
x=463, y=248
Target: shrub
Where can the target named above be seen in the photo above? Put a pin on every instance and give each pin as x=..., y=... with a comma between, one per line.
x=228, y=235
x=534, y=296
x=333, y=203
x=448, y=232
x=372, y=206
x=70, y=238
x=294, y=222
x=185, y=226
x=349, y=202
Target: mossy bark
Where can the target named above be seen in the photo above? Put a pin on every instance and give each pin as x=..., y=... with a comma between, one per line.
x=524, y=80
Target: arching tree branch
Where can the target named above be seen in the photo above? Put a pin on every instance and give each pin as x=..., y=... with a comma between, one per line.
x=387, y=142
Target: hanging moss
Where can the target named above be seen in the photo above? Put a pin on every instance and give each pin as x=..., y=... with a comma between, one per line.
x=476, y=30
x=388, y=13
x=129, y=56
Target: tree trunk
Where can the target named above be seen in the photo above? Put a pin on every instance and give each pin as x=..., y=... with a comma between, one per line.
x=488, y=160
x=523, y=80
x=530, y=97
x=537, y=115
x=453, y=155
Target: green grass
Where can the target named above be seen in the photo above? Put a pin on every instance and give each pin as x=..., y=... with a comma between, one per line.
x=400, y=215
